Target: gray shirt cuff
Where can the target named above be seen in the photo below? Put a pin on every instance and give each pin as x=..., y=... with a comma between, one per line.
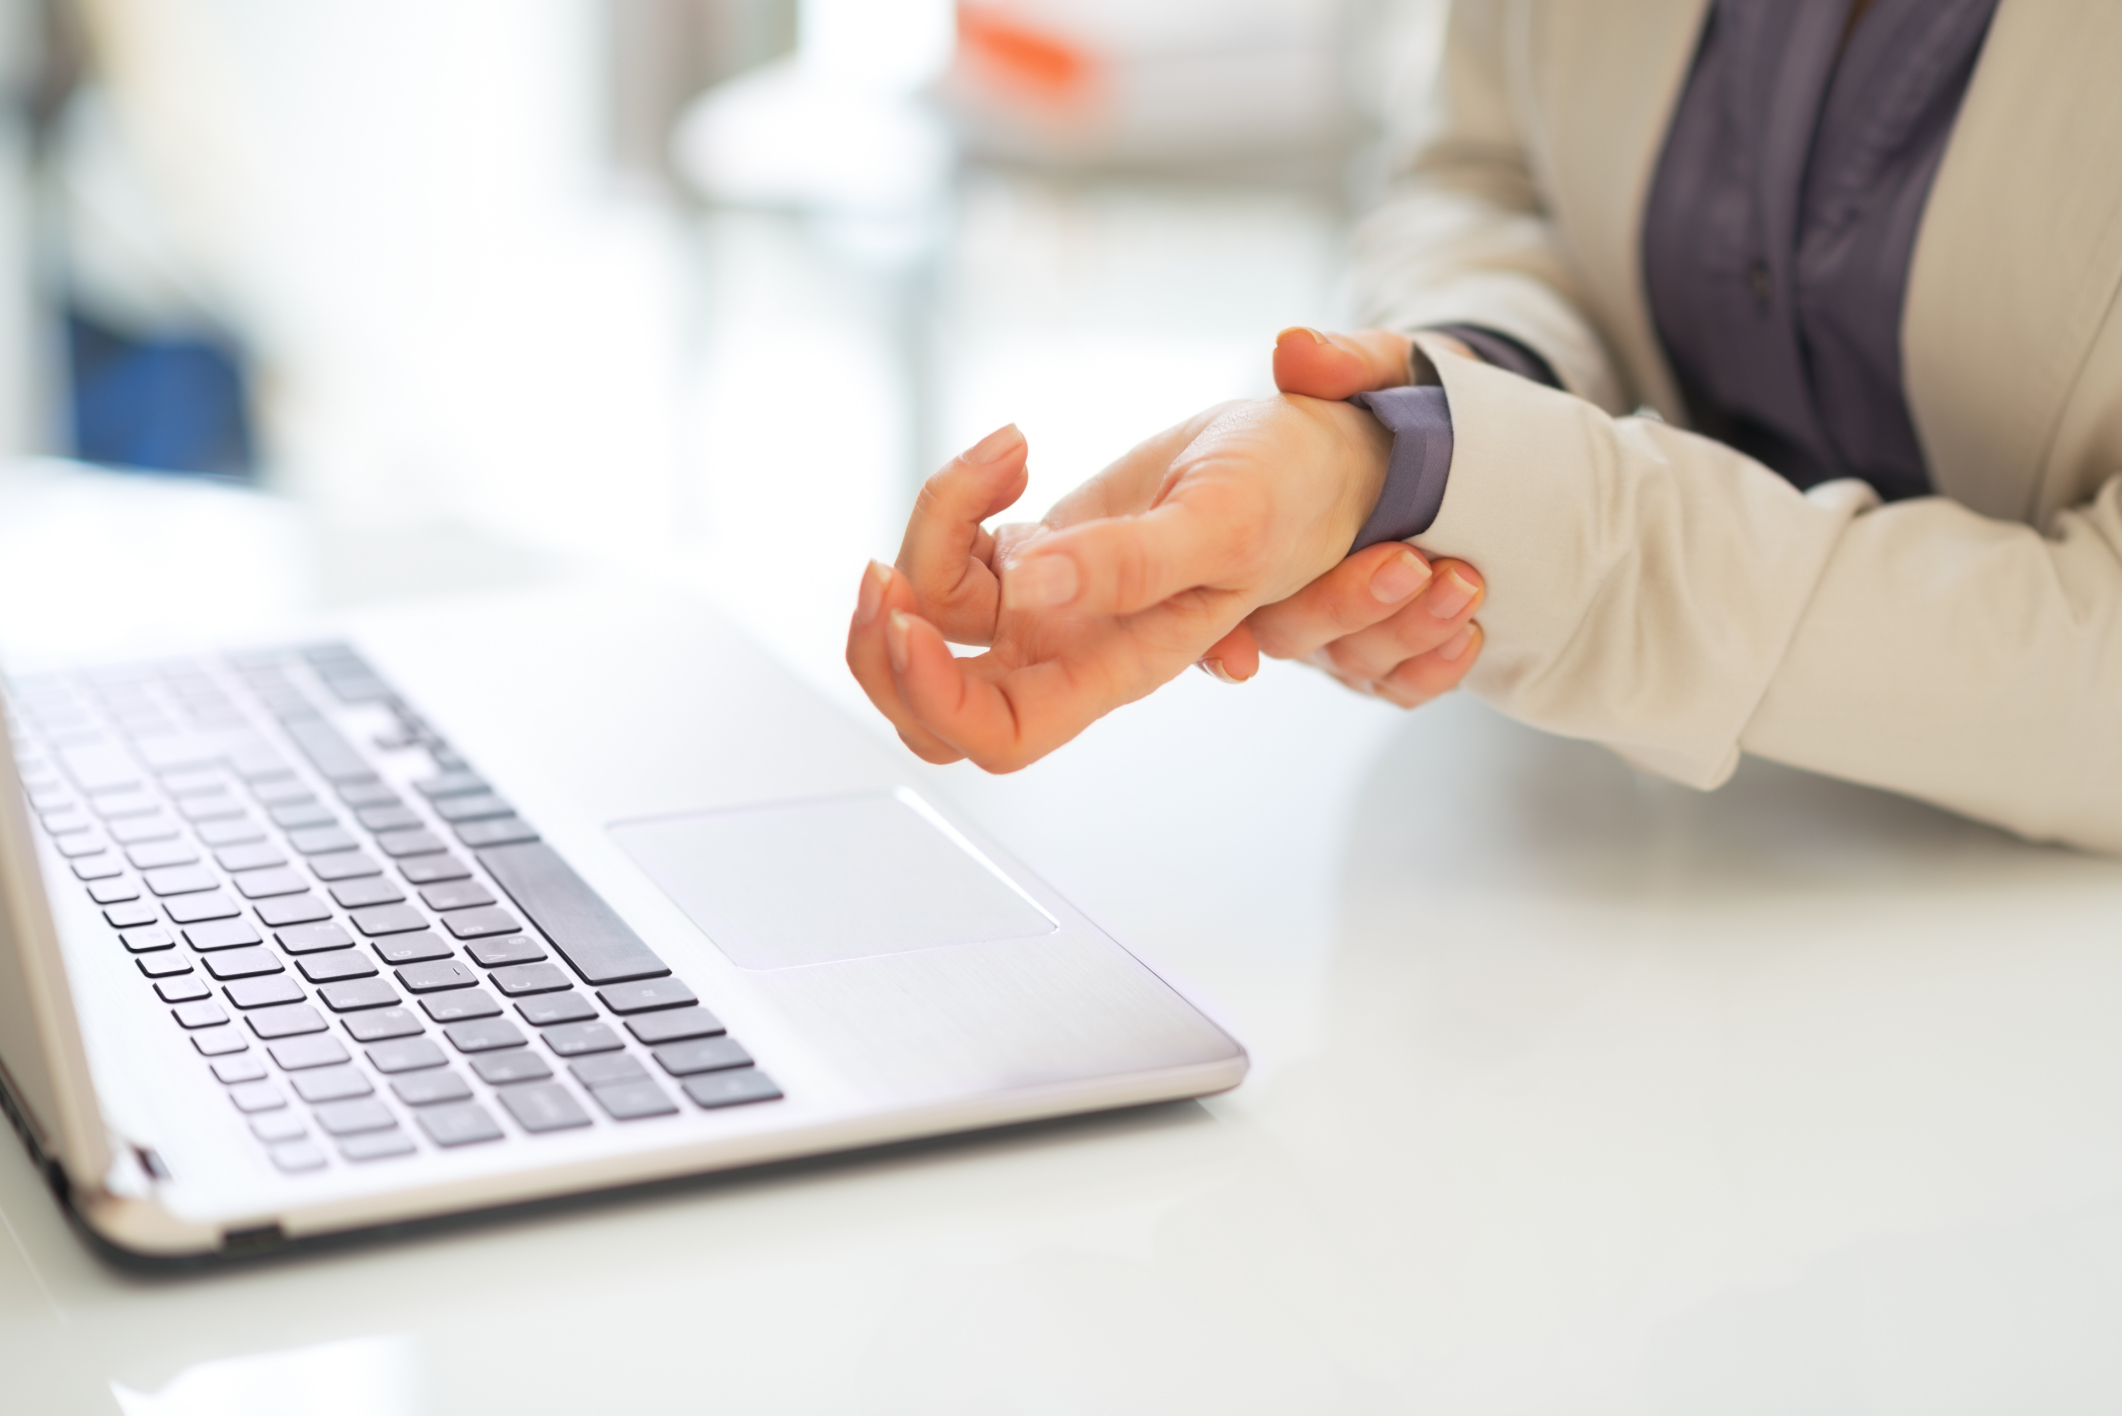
x=1420, y=421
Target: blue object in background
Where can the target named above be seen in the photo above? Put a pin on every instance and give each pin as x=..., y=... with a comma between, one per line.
x=165, y=404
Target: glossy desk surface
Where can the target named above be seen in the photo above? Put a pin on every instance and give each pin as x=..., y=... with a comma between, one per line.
x=1573, y=1092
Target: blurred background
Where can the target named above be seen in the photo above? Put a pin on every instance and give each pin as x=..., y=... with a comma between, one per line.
x=357, y=299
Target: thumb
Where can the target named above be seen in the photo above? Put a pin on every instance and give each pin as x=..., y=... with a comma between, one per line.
x=1335, y=366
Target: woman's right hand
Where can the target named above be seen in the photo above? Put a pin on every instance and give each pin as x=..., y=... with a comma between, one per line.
x=1384, y=621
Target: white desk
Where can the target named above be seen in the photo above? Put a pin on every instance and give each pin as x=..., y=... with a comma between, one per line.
x=1574, y=1092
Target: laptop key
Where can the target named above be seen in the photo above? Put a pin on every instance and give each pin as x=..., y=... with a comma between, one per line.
x=148, y=940
x=242, y=963
x=430, y=1088
x=708, y=1054
x=113, y=892
x=140, y=829
x=675, y=1026
x=219, y=1042
x=519, y=979
x=456, y=895
x=360, y=894
x=411, y=948
x=332, y=1084
x=270, y=883
x=345, y=1118
x=448, y=784
x=295, y=815
x=427, y=869
x=199, y=1015
x=288, y=1020
x=607, y=1068
x=504, y=1068
x=264, y=992
x=256, y=856
x=181, y=880
x=459, y=1005
x=461, y=1125
x=473, y=806
x=235, y=831
x=73, y=847
x=182, y=990
x=544, y=1107
x=377, y=1145
x=97, y=867
x=293, y=909
x=400, y=844
x=302, y=1053
x=579, y=1039
x=154, y=855
x=360, y=993
x=373, y=792
x=320, y=840
x=343, y=865
x=585, y=930
x=297, y=1157
x=412, y=1054
x=256, y=1096
x=380, y=1025
x=221, y=934
x=718, y=1089
x=484, y=1035
x=335, y=966
x=312, y=938
x=389, y=919
x=436, y=976
x=515, y=949
x=481, y=923
x=278, y=1126
x=282, y=791
x=164, y=965
x=647, y=996
x=543, y=1010
x=191, y=909
x=633, y=1101
x=215, y=807
x=387, y=818
x=500, y=831
x=331, y=754
x=131, y=916
x=231, y=1070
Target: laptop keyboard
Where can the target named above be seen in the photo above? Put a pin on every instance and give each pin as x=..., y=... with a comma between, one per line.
x=369, y=949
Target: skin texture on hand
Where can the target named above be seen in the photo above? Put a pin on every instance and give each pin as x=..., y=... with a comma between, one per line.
x=1384, y=621
x=1126, y=582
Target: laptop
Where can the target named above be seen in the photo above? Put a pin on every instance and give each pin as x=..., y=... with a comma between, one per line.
x=493, y=902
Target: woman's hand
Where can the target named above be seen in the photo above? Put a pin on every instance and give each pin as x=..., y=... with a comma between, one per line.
x=1384, y=621
x=1128, y=580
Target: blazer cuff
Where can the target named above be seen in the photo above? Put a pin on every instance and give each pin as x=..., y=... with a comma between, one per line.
x=1420, y=420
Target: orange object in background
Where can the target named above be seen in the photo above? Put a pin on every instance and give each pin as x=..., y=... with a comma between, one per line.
x=1022, y=60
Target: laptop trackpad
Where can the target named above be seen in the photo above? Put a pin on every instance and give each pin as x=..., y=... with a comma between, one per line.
x=813, y=881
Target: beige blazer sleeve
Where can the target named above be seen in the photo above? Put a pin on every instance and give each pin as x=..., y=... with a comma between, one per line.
x=1652, y=590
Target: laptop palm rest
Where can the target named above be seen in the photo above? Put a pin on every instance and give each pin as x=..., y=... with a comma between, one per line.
x=814, y=882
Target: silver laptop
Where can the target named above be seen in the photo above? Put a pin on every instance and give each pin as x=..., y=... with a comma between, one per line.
x=489, y=904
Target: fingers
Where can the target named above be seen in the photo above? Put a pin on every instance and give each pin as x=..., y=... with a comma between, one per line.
x=1432, y=675
x=1234, y=658
x=1443, y=608
x=884, y=593
x=1356, y=594
x=1120, y=565
x=947, y=555
x=1004, y=715
x=1337, y=365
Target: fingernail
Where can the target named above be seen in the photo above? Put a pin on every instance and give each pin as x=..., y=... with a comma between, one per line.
x=1450, y=595
x=1455, y=647
x=1316, y=337
x=1040, y=583
x=1215, y=670
x=896, y=630
x=1399, y=578
x=872, y=593
x=995, y=445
